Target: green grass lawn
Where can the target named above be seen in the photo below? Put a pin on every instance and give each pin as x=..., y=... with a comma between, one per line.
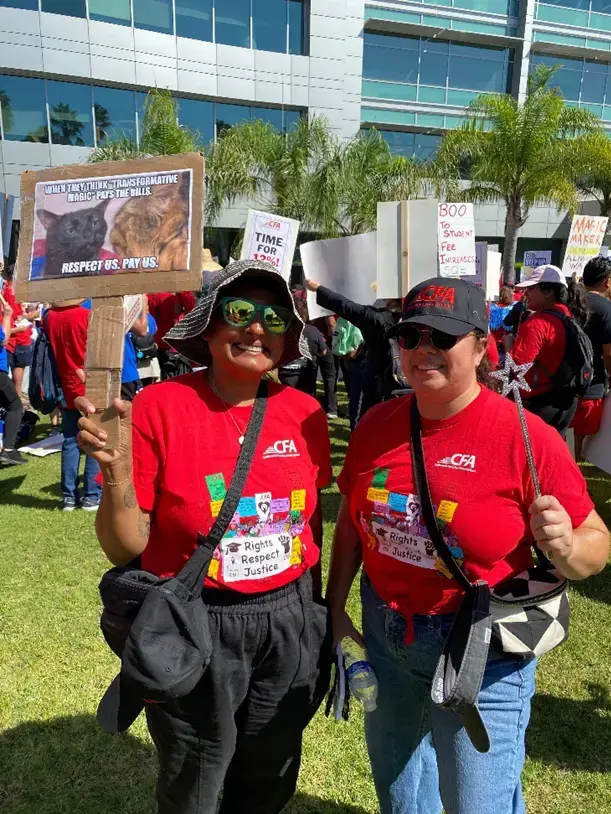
x=54, y=667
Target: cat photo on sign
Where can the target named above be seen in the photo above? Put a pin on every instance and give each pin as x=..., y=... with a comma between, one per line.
x=111, y=225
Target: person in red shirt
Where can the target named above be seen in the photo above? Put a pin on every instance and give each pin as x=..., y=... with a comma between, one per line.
x=541, y=340
x=239, y=733
x=475, y=459
x=166, y=309
x=19, y=343
x=66, y=324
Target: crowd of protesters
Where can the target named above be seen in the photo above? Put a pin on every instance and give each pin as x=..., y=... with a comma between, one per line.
x=252, y=360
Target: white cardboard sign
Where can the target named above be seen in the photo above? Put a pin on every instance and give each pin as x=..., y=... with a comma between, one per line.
x=270, y=238
x=585, y=239
x=346, y=265
x=456, y=240
x=597, y=448
x=132, y=306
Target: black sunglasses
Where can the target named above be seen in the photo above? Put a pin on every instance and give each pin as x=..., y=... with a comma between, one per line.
x=410, y=337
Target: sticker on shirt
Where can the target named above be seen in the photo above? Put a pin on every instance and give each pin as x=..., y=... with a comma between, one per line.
x=263, y=502
x=216, y=486
x=404, y=546
x=247, y=558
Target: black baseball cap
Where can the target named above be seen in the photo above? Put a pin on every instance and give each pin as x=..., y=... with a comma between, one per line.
x=450, y=305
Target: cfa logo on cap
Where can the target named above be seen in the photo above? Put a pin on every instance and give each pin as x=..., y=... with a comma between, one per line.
x=436, y=296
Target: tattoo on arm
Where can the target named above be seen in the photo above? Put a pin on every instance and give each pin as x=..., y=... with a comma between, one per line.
x=129, y=498
x=144, y=526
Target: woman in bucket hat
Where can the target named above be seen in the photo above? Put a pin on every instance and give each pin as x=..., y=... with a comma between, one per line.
x=462, y=759
x=238, y=734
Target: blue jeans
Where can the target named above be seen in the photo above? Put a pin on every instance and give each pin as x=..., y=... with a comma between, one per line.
x=421, y=758
x=71, y=456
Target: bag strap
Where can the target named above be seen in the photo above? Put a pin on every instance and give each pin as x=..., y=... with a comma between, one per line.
x=426, y=504
x=196, y=566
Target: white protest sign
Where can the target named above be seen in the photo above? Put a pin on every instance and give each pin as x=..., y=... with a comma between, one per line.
x=346, y=265
x=535, y=259
x=271, y=238
x=456, y=240
x=481, y=250
x=585, y=239
x=132, y=306
x=597, y=448
x=407, y=245
x=492, y=274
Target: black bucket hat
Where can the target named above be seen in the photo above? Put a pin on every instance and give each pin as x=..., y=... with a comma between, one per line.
x=454, y=306
x=186, y=336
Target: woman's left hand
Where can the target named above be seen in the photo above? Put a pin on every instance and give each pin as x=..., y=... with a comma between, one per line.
x=551, y=527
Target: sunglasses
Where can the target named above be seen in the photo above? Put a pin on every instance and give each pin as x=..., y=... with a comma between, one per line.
x=240, y=312
x=411, y=336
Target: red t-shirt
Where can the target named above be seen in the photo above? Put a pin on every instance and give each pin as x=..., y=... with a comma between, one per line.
x=481, y=489
x=67, y=331
x=9, y=296
x=185, y=447
x=541, y=339
x=492, y=352
x=166, y=309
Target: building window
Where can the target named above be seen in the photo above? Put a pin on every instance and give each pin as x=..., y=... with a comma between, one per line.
x=438, y=71
x=198, y=116
x=115, y=113
x=232, y=22
x=228, y=115
x=297, y=27
x=70, y=113
x=154, y=15
x=29, y=5
x=583, y=81
x=270, y=25
x=411, y=145
x=111, y=11
x=24, y=111
x=72, y=8
x=194, y=19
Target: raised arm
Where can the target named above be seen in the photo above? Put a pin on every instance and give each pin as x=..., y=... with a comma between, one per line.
x=366, y=318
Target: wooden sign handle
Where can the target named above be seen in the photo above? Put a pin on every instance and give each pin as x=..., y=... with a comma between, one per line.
x=104, y=363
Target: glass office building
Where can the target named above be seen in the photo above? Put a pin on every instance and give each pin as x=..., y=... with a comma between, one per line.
x=74, y=73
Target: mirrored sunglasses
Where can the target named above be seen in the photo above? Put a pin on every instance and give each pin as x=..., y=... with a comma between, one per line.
x=240, y=312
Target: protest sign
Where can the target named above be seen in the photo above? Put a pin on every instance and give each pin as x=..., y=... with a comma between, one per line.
x=132, y=306
x=121, y=227
x=346, y=265
x=585, y=239
x=272, y=239
x=104, y=231
x=456, y=237
x=597, y=448
x=406, y=246
x=533, y=260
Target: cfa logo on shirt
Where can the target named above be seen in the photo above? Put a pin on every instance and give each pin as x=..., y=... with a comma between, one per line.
x=282, y=449
x=466, y=463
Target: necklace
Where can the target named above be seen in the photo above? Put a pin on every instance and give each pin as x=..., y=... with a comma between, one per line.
x=228, y=409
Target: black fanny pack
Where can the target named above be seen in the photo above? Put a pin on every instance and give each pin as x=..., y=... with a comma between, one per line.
x=159, y=627
x=523, y=617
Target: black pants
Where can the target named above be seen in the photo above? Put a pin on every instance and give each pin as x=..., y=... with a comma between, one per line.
x=329, y=371
x=303, y=378
x=239, y=733
x=555, y=408
x=9, y=399
x=129, y=390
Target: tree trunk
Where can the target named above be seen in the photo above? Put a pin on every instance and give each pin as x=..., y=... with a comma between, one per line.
x=513, y=223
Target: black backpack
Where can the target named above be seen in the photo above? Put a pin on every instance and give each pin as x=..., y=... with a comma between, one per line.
x=44, y=391
x=576, y=370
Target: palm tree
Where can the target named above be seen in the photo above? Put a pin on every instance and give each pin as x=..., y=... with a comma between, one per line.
x=593, y=170
x=519, y=153
x=331, y=187
x=160, y=134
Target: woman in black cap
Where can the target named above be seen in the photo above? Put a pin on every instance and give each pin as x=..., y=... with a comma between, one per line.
x=425, y=757
x=238, y=735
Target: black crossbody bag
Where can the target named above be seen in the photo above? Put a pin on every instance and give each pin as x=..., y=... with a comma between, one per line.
x=530, y=611
x=159, y=626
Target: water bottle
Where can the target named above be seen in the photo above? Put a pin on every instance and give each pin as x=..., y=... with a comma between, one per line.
x=359, y=672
